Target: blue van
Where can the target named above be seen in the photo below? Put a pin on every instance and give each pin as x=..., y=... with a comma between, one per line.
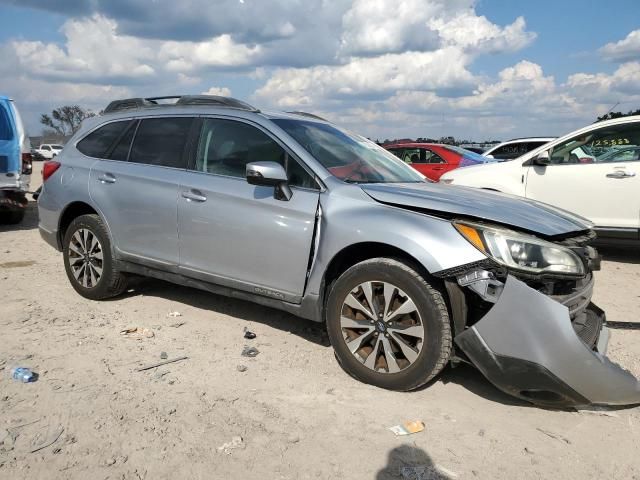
x=15, y=163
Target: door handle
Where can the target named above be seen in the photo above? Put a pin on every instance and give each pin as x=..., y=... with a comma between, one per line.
x=107, y=178
x=621, y=174
x=194, y=195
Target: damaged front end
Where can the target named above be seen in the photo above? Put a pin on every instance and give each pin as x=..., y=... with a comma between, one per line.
x=538, y=337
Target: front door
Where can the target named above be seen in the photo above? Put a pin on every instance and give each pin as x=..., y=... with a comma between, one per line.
x=236, y=234
x=596, y=175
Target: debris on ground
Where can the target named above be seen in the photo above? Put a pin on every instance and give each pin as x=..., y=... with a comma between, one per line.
x=555, y=436
x=236, y=442
x=241, y=368
x=250, y=352
x=137, y=333
x=598, y=411
x=407, y=428
x=159, y=364
x=174, y=314
x=249, y=335
x=163, y=355
x=23, y=374
x=177, y=324
x=49, y=436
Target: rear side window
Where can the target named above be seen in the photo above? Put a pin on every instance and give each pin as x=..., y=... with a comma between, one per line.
x=6, y=132
x=161, y=141
x=121, y=150
x=98, y=142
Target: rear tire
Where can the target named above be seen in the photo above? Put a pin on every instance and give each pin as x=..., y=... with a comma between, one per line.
x=88, y=259
x=409, y=349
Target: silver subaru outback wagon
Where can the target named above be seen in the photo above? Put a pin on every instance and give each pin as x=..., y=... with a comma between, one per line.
x=293, y=212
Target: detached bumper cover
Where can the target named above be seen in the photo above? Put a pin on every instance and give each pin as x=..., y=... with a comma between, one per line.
x=526, y=346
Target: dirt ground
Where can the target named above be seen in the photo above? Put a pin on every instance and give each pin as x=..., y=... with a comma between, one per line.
x=298, y=414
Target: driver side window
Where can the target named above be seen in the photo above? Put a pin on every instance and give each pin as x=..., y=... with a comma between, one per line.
x=226, y=147
x=612, y=144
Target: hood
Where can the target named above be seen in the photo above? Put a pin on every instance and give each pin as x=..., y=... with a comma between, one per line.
x=455, y=201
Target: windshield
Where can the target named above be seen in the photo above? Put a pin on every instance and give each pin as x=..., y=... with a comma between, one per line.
x=347, y=156
x=470, y=158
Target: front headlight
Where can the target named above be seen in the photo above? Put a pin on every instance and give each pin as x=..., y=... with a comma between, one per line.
x=520, y=251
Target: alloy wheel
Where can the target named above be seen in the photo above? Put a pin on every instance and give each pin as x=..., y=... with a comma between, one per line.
x=86, y=258
x=382, y=327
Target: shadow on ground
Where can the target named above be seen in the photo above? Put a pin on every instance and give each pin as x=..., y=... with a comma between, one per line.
x=241, y=309
x=410, y=463
x=29, y=222
x=620, y=254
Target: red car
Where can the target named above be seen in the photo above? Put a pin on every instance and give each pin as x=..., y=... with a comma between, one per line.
x=433, y=159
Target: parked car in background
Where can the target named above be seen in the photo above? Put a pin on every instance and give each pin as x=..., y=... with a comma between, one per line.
x=49, y=150
x=594, y=172
x=516, y=147
x=477, y=150
x=36, y=156
x=15, y=163
x=434, y=159
x=295, y=213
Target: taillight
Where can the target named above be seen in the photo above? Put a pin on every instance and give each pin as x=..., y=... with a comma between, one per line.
x=49, y=168
x=27, y=165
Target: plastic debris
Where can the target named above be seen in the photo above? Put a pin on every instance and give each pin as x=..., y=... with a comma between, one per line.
x=250, y=352
x=48, y=437
x=407, y=428
x=174, y=314
x=163, y=355
x=249, y=335
x=137, y=333
x=236, y=442
x=23, y=374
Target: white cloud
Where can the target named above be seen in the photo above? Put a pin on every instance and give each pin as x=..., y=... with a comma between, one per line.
x=623, y=51
x=477, y=34
x=381, y=75
x=221, y=91
x=95, y=51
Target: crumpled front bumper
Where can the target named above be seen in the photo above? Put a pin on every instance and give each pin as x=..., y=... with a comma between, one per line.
x=526, y=346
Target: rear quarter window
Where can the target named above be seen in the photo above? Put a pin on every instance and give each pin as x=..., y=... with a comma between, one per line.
x=6, y=131
x=98, y=142
x=161, y=141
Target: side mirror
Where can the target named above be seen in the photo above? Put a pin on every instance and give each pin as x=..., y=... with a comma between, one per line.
x=543, y=159
x=269, y=174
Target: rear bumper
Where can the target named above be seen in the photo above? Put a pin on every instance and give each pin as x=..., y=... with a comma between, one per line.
x=527, y=347
x=50, y=237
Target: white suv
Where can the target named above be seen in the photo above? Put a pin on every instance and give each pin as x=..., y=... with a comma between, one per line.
x=49, y=150
x=591, y=172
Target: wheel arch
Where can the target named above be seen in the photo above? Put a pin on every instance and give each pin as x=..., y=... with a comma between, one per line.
x=359, y=252
x=70, y=213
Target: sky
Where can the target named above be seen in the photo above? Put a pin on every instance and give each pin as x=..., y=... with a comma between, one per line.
x=474, y=69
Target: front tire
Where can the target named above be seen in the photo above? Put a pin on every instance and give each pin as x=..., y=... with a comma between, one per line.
x=389, y=327
x=88, y=260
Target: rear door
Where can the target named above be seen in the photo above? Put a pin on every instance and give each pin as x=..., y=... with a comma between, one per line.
x=236, y=234
x=136, y=189
x=433, y=165
x=596, y=175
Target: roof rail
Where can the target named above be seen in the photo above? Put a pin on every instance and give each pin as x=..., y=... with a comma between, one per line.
x=310, y=115
x=214, y=100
